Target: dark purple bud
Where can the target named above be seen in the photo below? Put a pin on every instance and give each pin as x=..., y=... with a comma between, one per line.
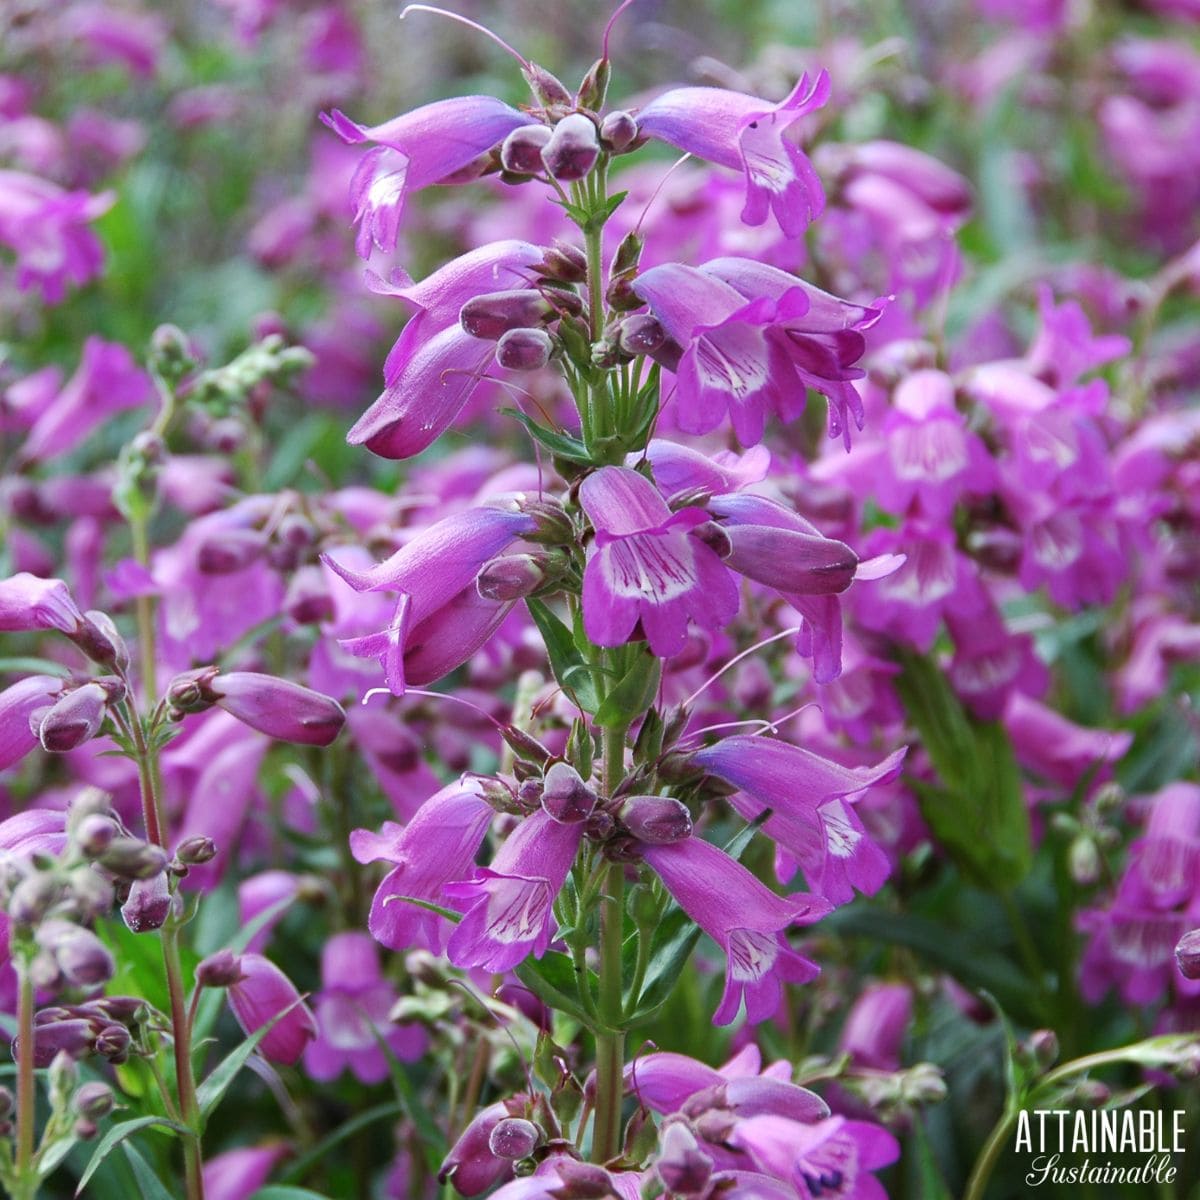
x=101, y=641
x=524, y=349
x=279, y=708
x=229, y=551
x=640, y=334
x=191, y=691
x=93, y=1101
x=565, y=796
x=510, y=577
x=148, y=905
x=618, y=131
x=620, y=295
x=564, y=262
x=583, y=1181
x=492, y=315
x=94, y=834
x=131, y=858
x=74, y=719
x=220, y=970
x=553, y=525
x=82, y=957
x=195, y=851
x=84, y=1129
x=471, y=1166
x=1187, y=954
x=658, y=820
x=682, y=1165
x=514, y=1138
x=72, y=1036
x=33, y=898
x=521, y=152
x=308, y=600
x=112, y=1042
x=525, y=745
x=572, y=149
x=546, y=88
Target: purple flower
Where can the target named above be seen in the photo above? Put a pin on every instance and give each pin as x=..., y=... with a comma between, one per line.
x=238, y=1174
x=508, y=907
x=278, y=707
x=46, y=228
x=28, y=602
x=414, y=150
x=647, y=564
x=471, y=1166
x=752, y=338
x=744, y=917
x=438, y=845
x=440, y=619
x=18, y=704
x=876, y=1025
x=352, y=1015
x=263, y=994
x=747, y=134
x=810, y=798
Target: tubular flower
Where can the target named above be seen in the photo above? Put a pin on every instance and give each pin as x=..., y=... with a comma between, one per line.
x=414, y=150
x=648, y=564
x=747, y=134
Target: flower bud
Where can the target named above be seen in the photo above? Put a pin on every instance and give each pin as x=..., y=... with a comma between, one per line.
x=1043, y=1047
x=618, y=131
x=279, y=708
x=682, y=1165
x=171, y=354
x=572, y=149
x=564, y=262
x=33, y=898
x=1187, y=954
x=94, y=834
x=510, y=577
x=220, y=970
x=640, y=334
x=521, y=152
x=131, y=858
x=74, y=719
x=113, y=1042
x=594, y=87
x=553, y=525
x=265, y=994
x=191, y=691
x=92, y=893
x=230, y=550
x=93, y=1101
x=1083, y=860
x=195, y=851
x=657, y=820
x=923, y=1084
x=99, y=638
x=471, y=1165
x=524, y=349
x=565, y=796
x=148, y=904
x=514, y=1138
x=492, y=315
x=546, y=88
x=81, y=956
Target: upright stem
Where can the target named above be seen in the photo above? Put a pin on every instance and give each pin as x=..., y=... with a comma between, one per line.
x=26, y=1094
x=145, y=616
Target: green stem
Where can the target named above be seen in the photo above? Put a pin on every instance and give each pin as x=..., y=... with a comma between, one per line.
x=145, y=616
x=610, y=1041
x=26, y=1178
x=185, y=1080
x=986, y=1163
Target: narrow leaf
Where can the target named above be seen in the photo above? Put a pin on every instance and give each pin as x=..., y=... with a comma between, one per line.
x=116, y=1135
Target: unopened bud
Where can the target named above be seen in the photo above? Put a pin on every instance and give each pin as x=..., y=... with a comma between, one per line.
x=564, y=262
x=618, y=131
x=112, y=1042
x=93, y=1101
x=191, y=691
x=81, y=956
x=99, y=638
x=1083, y=860
x=148, y=904
x=657, y=820
x=521, y=152
x=923, y=1084
x=492, y=315
x=1187, y=954
x=195, y=851
x=594, y=87
x=514, y=1138
x=220, y=970
x=1043, y=1047
x=131, y=858
x=572, y=149
x=510, y=577
x=640, y=334
x=1091, y=1093
x=74, y=719
x=94, y=834
x=547, y=89
x=93, y=894
x=552, y=525
x=524, y=349
x=525, y=745
x=33, y=898
x=565, y=796
x=85, y=1130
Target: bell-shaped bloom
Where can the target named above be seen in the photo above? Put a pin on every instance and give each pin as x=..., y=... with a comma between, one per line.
x=267, y=892
x=1166, y=858
x=440, y=618
x=876, y=1025
x=416, y=149
x=1056, y=748
x=352, y=1015
x=648, y=564
x=744, y=917
x=752, y=338
x=747, y=134
x=239, y=1174
x=834, y=1157
x=682, y=468
x=471, y=1166
x=28, y=602
x=509, y=906
x=436, y=364
x=17, y=705
x=47, y=229
x=811, y=801
x=263, y=994
x=278, y=707
x=438, y=845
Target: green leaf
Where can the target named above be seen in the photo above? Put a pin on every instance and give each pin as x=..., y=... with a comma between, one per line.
x=633, y=694
x=148, y=1182
x=674, y=940
x=552, y=978
x=978, y=815
x=28, y=665
x=931, y=1184
x=209, y=1093
x=561, y=445
x=565, y=659
x=449, y=913
x=116, y=1135
x=284, y=1192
